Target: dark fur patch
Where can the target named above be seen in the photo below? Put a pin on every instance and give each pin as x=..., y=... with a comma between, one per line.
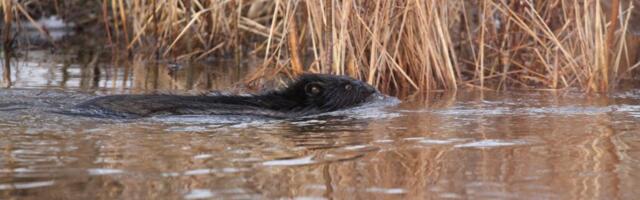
x=307, y=95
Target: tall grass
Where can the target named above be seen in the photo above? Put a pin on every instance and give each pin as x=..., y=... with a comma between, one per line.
x=402, y=46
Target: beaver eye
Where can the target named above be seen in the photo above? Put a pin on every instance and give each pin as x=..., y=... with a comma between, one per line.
x=315, y=90
x=348, y=87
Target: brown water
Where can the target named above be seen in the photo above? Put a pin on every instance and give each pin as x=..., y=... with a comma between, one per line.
x=469, y=145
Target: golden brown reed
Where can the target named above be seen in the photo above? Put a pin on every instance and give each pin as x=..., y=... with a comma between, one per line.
x=402, y=46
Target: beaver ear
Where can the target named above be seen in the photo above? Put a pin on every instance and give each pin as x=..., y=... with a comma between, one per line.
x=313, y=88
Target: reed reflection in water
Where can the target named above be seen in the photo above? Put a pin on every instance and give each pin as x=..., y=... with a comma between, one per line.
x=85, y=71
x=525, y=145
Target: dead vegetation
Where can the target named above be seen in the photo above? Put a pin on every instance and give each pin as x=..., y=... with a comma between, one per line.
x=400, y=46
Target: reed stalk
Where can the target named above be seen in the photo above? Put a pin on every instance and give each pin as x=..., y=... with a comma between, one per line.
x=401, y=47
x=6, y=42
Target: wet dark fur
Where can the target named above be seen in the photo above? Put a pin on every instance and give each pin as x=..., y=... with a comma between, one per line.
x=309, y=94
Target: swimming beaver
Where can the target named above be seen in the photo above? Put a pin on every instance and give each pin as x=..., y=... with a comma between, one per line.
x=309, y=94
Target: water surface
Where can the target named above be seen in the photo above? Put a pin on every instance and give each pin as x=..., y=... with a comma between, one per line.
x=469, y=145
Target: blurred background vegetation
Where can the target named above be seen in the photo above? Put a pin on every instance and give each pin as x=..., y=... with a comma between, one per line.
x=402, y=46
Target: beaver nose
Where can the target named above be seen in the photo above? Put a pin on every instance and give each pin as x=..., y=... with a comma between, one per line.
x=364, y=87
x=371, y=89
x=368, y=88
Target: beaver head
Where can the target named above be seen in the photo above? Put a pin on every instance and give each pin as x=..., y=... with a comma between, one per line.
x=323, y=93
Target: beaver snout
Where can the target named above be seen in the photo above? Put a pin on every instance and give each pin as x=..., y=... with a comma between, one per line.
x=367, y=89
x=371, y=89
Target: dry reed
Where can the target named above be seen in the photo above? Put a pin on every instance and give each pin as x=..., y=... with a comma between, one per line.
x=7, y=17
x=402, y=46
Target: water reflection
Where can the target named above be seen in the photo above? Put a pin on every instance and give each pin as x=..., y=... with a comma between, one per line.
x=86, y=71
x=524, y=145
x=6, y=71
